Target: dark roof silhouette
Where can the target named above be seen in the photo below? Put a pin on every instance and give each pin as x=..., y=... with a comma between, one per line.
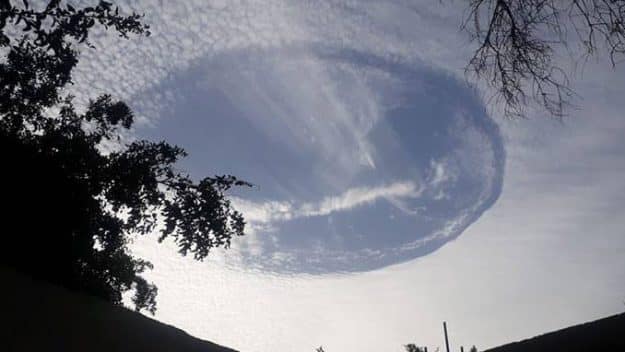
x=38, y=316
x=607, y=334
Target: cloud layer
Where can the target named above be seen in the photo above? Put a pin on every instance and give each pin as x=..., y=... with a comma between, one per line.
x=366, y=150
x=360, y=161
x=306, y=99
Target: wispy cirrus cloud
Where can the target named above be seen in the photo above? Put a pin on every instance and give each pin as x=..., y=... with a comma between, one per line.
x=275, y=211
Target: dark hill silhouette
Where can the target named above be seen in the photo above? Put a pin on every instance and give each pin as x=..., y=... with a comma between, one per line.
x=607, y=334
x=38, y=316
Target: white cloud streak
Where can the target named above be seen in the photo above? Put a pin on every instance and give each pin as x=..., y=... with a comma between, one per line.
x=273, y=211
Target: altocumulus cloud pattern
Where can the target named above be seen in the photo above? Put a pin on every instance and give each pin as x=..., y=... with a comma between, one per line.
x=363, y=155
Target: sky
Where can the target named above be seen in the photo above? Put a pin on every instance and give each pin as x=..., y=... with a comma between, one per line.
x=390, y=194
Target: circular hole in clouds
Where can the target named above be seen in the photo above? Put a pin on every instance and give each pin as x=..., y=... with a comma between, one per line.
x=360, y=161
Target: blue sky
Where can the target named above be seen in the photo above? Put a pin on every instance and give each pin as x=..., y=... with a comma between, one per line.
x=389, y=196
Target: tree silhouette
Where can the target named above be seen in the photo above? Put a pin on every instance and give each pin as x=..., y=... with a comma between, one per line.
x=411, y=347
x=70, y=205
x=517, y=40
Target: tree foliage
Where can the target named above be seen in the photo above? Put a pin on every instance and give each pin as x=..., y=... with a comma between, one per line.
x=71, y=207
x=411, y=347
x=518, y=40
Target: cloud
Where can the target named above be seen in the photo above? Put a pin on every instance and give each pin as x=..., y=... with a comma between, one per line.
x=185, y=32
x=324, y=99
x=359, y=196
x=549, y=252
x=325, y=130
x=267, y=213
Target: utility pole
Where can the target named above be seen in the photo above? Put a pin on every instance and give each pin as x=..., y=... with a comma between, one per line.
x=446, y=338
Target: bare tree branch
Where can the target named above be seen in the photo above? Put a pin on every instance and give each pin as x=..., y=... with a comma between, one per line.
x=515, y=53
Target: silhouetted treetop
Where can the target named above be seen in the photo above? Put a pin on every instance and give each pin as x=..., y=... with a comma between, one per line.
x=411, y=347
x=72, y=206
